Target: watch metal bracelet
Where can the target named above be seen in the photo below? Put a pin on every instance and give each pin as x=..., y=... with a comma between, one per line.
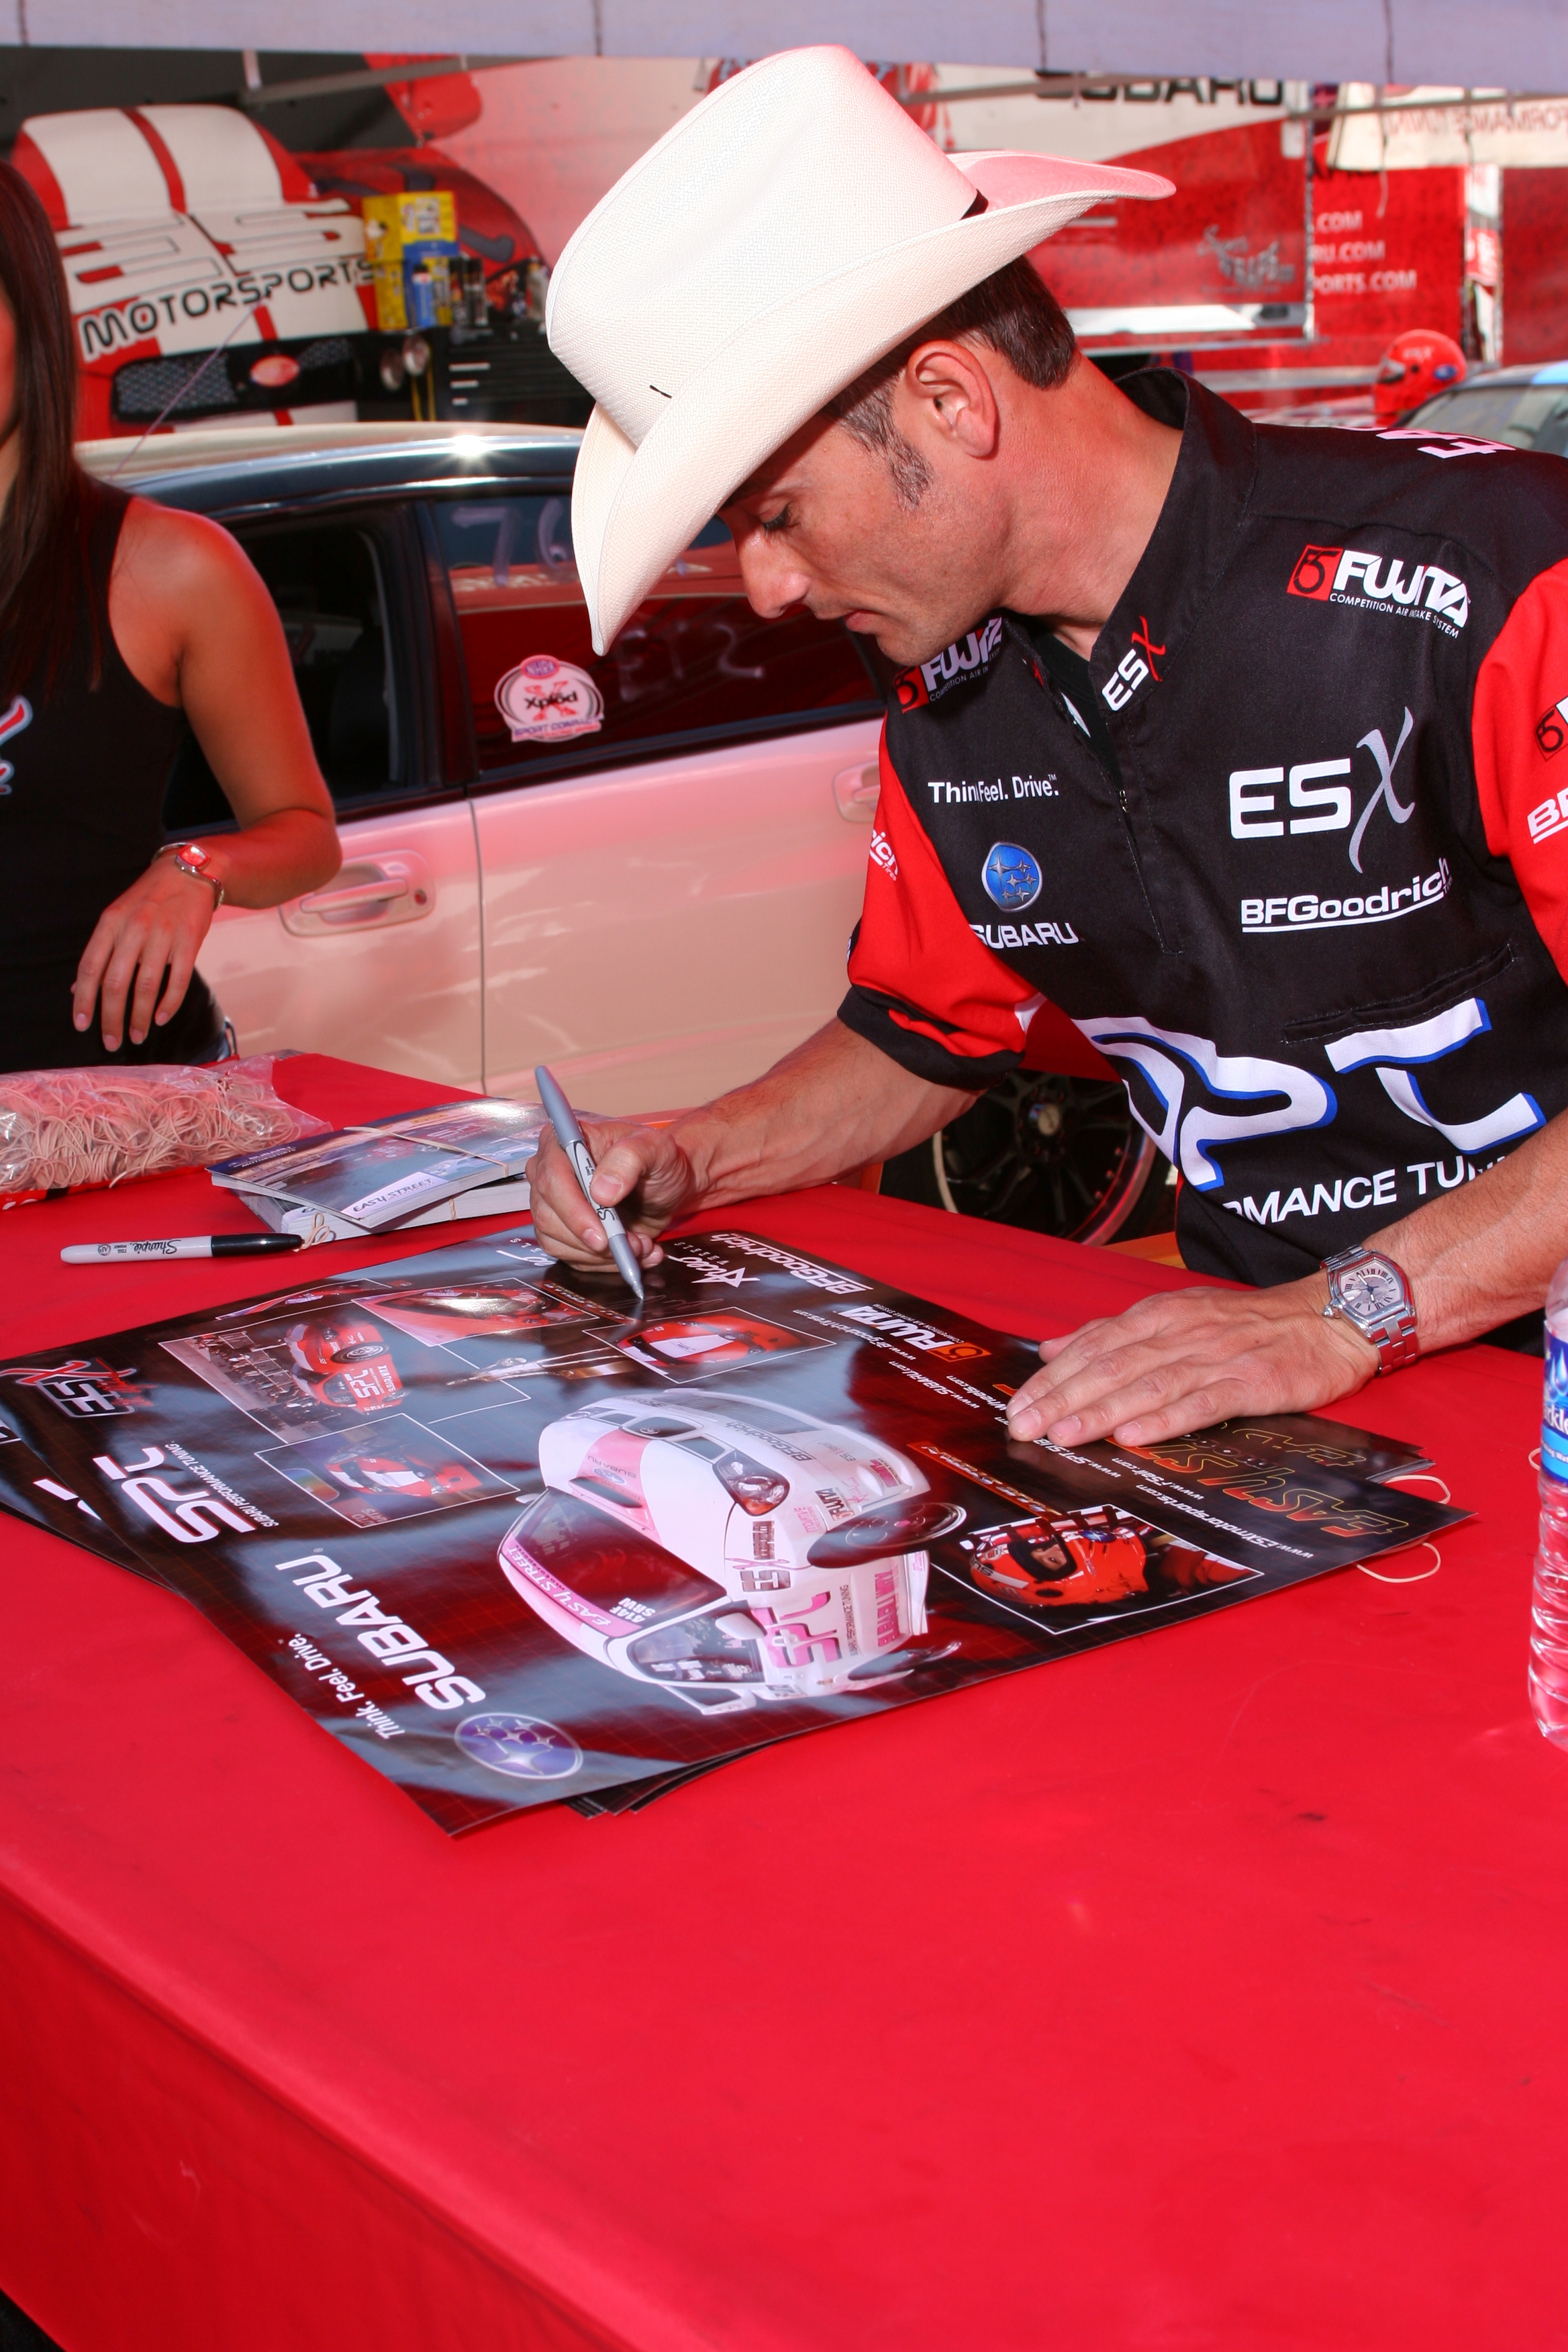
x=1389, y=1328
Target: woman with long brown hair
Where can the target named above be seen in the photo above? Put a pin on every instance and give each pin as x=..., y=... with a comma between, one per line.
x=122, y=623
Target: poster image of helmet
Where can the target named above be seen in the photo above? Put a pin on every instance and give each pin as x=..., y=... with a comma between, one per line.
x=717, y=1339
x=1091, y=1564
x=487, y=1310
x=730, y=1551
x=297, y=1377
x=398, y=1470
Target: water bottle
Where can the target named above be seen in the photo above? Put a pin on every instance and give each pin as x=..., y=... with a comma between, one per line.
x=1548, y=1608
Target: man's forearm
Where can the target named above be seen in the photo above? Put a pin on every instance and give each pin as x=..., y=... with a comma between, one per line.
x=835, y=1103
x=1485, y=1252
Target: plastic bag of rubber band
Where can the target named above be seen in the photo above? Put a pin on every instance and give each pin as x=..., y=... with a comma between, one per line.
x=63, y=1131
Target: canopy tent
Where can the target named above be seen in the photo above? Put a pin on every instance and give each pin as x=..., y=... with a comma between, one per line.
x=1519, y=44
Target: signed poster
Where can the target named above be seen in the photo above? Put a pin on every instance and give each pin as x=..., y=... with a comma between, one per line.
x=515, y=1544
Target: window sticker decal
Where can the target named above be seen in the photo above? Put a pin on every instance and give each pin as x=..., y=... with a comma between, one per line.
x=545, y=700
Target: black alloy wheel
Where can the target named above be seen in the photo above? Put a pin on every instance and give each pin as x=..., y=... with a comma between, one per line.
x=1055, y=1155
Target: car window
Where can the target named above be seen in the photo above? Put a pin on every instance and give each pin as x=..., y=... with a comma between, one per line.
x=700, y=1650
x=1530, y=415
x=693, y=660
x=327, y=581
x=616, y=1568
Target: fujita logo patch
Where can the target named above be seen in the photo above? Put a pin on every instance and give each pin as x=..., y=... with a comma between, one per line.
x=1393, y=585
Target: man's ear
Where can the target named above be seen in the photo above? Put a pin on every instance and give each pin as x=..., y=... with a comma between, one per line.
x=951, y=398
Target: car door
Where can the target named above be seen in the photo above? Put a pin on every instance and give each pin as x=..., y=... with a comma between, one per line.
x=382, y=964
x=673, y=837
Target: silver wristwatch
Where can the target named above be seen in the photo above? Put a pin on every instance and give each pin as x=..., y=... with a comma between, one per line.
x=1370, y=1291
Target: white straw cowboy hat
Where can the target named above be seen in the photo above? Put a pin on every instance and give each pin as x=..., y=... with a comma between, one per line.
x=783, y=236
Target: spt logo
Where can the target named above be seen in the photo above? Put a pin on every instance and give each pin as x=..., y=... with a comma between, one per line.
x=12, y=722
x=1314, y=572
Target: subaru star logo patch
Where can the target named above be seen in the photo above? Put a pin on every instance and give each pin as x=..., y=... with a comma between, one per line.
x=1011, y=877
x=523, y=1745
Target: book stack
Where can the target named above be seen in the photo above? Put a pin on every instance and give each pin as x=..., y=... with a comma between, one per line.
x=422, y=1168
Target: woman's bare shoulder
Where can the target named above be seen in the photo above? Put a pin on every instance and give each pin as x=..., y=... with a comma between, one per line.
x=167, y=547
x=181, y=582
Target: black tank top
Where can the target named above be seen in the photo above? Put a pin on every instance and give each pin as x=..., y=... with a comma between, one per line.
x=83, y=775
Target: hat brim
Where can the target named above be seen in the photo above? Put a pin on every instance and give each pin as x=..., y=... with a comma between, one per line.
x=636, y=505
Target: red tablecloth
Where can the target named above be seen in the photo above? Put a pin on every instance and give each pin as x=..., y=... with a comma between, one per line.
x=1196, y=1992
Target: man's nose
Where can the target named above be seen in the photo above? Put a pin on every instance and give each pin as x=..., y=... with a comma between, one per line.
x=772, y=578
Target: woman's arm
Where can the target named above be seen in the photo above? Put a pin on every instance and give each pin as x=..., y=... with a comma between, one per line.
x=196, y=627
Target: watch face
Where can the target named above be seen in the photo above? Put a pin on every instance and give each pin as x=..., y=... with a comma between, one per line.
x=1371, y=1292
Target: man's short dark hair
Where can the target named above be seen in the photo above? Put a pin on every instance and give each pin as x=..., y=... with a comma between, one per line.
x=1013, y=310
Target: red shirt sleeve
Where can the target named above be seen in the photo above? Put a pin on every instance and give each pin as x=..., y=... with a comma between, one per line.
x=1520, y=735
x=922, y=986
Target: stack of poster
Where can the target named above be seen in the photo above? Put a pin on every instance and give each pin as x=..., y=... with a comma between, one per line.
x=514, y=1543
x=421, y=1168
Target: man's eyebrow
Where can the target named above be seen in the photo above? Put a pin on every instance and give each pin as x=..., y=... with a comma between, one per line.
x=755, y=490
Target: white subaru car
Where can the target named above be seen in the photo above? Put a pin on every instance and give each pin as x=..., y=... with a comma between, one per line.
x=729, y=1551
x=642, y=869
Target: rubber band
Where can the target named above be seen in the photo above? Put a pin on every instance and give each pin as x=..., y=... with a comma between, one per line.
x=61, y=1130
x=1431, y=1477
x=1421, y=1579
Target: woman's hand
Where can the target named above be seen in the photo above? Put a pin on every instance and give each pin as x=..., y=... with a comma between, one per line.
x=156, y=926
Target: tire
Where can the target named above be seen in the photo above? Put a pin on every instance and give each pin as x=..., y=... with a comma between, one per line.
x=1053, y=1155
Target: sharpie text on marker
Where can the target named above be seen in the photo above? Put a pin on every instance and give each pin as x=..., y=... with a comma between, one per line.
x=189, y=1245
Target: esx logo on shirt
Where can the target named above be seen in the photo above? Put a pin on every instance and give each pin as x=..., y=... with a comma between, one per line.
x=1132, y=668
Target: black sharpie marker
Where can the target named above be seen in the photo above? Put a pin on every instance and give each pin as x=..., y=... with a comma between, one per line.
x=192, y=1245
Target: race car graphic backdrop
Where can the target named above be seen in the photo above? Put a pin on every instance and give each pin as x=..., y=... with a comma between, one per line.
x=511, y=1545
x=178, y=224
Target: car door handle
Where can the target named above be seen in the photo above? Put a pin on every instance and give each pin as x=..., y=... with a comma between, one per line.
x=371, y=892
x=362, y=894
x=854, y=792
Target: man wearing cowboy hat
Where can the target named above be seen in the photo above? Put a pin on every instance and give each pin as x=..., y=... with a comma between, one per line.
x=1236, y=745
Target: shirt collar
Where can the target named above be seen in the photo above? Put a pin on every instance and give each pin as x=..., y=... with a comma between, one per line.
x=1195, y=537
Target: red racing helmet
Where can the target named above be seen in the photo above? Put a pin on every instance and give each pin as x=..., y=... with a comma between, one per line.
x=1415, y=366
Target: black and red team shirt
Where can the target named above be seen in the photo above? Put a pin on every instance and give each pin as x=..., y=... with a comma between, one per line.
x=1301, y=873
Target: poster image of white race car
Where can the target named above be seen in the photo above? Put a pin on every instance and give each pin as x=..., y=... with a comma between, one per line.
x=507, y=1559
x=780, y=1556
x=398, y=1470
